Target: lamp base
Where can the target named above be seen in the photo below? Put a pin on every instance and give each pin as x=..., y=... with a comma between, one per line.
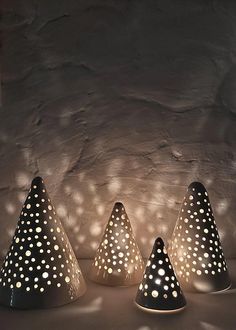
x=223, y=290
x=159, y=311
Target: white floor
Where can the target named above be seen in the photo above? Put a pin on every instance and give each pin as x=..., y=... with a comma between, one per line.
x=112, y=308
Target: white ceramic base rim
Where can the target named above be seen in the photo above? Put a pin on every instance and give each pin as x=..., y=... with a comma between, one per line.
x=223, y=290
x=159, y=311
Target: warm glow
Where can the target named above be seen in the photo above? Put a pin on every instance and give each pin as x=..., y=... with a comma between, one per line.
x=196, y=241
x=118, y=260
x=40, y=258
x=160, y=290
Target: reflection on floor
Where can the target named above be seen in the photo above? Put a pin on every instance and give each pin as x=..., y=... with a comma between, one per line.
x=108, y=308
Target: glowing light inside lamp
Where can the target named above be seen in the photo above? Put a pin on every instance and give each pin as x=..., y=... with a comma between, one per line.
x=118, y=261
x=159, y=290
x=40, y=269
x=195, y=248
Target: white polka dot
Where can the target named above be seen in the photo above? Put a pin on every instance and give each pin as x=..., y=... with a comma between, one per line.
x=109, y=270
x=38, y=229
x=175, y=294
x=67, y=279
x=56, y=247
x=155, y=293
x=18, y=284
x=28, y=206
x=27, y=253
x=161, y=272
x=45, y=275
x=201, y=211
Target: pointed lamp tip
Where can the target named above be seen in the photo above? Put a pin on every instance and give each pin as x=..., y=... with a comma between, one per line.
x=118, y=205
x=159, y=241
x=37, y=181
x=197, y=186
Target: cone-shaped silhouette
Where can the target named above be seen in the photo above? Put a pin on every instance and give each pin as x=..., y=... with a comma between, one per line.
x=40, y=269
x=118, y=261
x=195, y=248
x=160, y=290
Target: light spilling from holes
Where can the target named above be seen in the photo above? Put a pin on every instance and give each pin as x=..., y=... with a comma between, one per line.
x=195, y=249
x=118, y=261
x=159, y=290
x=40, y=269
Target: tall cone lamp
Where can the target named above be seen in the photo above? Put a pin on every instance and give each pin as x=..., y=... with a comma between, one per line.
x=118, y=261
x=40, y=269
x=159, y=290
x=195, y=248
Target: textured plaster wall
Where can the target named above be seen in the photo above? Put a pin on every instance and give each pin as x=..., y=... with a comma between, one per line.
x=118, y=100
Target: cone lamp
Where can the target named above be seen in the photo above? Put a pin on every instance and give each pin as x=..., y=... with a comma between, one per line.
x=159, y=290
x=40, y=269
x=195, y=250
x=118, y=261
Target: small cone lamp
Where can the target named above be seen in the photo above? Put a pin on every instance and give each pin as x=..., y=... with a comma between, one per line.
x=118, y=261
x=40, y=269
x=195, y=248
x=159, y=290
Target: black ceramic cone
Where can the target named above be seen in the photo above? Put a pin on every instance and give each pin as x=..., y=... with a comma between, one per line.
x=195, y=248
x=118, y=261
x=160, y=290
x=40, y=269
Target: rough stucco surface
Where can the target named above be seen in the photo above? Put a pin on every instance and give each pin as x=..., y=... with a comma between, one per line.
x=118, y=100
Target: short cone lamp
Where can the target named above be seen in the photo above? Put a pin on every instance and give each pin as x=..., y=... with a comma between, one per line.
x=118, y=261
x=159, y=290
x=40, y=269
x=195, y=248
